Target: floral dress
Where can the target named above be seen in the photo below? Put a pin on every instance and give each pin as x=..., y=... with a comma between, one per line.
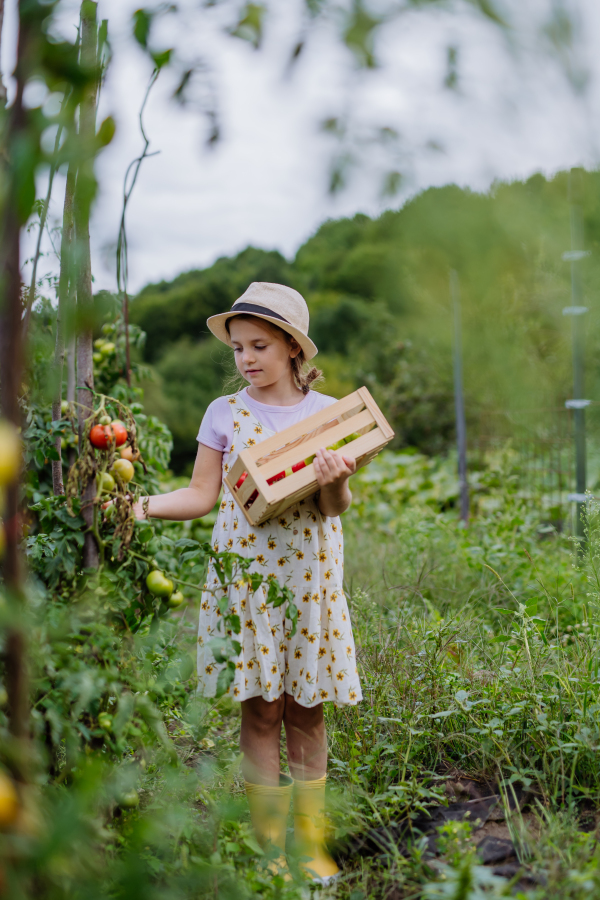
x=304, y=550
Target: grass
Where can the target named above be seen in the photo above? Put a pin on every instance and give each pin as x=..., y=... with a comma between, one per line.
x=478, y=651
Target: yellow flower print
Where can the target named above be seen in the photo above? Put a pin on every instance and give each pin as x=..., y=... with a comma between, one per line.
x=268, y=686
x=223, y=505
x=322, y=652
x=299, y=554
x=294, y=685
x=348, y=651
x=322, y=556
x=243, y=542
x=205, y=605
x=315, y=597
x=243, y=603
x=304, y=632
x=328, y=574
x=297, y=653
x=239, y=665
x=258, y=429
x=307, y=533
x=344, y=617
x=326, y=636
x=235, y=525
x=264, y=650
x=282, y=521
x=236, y=692
x=231, y=505
x=274, y=629
x=226, y=468
x=216, y=547
x=282, y=647
x=208, y=669
x=260, y=559
x=246, y=682
x=305, y=598
x=287, y=667
x=334, y=526
x=232, y=400
x=323, y=694
x=251, y=442
x=308, y=575
x=281, y=561
x=229, y=544
x=328, y=669
x=352, y=695
x=236, y=425
x=250, y=624
x=333, y=656
x=251, y=538
x=271, y=544
x=245, y=413
x=334, y=596
x=336, y=633
x=296, y=514
x=274, y=669
x=250, y=665
x=329, y=615
x=340, y=676
x=311, y=638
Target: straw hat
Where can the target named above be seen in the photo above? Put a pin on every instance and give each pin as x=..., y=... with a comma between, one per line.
x=276, y=303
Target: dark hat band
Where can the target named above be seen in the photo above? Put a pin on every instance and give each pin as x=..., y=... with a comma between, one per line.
x=261, y=310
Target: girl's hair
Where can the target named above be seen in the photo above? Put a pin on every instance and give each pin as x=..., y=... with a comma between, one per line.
x=304, y=374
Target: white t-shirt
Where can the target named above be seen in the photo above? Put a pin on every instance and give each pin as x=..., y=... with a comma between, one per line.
x=216, y=430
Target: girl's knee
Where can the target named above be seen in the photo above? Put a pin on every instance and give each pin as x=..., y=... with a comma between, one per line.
x=304, y=717
x=263, y=714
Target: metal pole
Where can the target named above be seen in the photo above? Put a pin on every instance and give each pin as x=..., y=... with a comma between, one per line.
x=577, y=310
x=459, y=401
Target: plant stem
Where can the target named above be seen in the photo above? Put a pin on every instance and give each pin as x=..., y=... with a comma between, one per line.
x=65, y=282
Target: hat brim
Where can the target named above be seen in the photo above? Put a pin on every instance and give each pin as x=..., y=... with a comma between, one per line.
x=216, y=325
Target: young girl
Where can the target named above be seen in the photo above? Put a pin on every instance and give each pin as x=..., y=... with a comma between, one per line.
x=279, y=678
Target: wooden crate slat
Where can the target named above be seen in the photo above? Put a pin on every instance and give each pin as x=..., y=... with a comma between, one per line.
x=370, y=404
x=276, y=441
x=307, y=448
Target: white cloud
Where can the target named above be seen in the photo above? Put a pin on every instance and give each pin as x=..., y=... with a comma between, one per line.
x=266, y=181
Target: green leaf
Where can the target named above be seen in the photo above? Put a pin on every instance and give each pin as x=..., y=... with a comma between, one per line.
x=142, y=22
x=106, y=132
x=250, y=25
x=162, y=58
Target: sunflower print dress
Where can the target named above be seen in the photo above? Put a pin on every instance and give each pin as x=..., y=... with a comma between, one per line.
x=304, y=550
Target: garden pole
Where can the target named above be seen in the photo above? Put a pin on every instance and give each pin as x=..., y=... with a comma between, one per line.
x=84, y=193
x=577, y=311
x=459, y=402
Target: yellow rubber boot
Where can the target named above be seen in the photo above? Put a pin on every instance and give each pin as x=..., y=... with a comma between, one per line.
x=309, y=830
x=269, y=808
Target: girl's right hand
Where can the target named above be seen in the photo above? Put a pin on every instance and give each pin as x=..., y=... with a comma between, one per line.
x=138, y=509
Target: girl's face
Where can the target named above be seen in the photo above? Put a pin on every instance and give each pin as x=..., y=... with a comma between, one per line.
x=261, y=355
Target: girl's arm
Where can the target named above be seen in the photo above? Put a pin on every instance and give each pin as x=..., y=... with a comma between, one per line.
x=194, y=501
x=333, y=472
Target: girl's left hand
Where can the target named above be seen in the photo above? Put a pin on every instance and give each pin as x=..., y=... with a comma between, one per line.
x=332, y=469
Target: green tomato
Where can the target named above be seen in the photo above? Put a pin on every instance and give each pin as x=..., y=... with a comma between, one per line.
x=158, y=584
x=176, y=600
x=104, y=420
x=129, y=800
x=97, y=357
x=99, y=344
x=105, y=721
x=108, y=349
x=107, y=483
x=65, y=408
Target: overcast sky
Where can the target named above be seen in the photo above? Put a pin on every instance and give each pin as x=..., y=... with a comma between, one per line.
x=265, y=182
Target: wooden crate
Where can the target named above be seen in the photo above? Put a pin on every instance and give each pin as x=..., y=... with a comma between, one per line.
x=357, y=413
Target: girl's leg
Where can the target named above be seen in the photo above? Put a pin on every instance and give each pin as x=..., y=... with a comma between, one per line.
x=260, y=739
x=306, y=740
x=307, y=756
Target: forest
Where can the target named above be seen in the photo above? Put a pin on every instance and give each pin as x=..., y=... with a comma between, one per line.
x=379, y=297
